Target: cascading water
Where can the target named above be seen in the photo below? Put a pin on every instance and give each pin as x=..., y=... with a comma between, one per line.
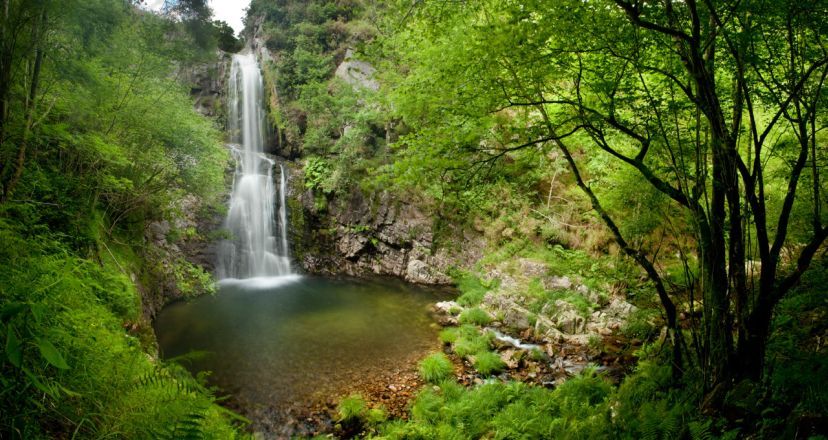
x=252, y=250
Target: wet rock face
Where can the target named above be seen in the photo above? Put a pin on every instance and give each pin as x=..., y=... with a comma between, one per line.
x=208, y=83
x=362, y=234
x=167, y=243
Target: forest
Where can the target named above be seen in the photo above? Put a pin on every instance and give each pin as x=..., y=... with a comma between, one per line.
x=616, y=210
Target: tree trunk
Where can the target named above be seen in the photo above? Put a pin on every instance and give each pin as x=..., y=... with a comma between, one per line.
x=750, y=359
x=16, y=172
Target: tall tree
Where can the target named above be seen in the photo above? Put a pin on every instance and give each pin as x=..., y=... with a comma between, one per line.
x=716, y=105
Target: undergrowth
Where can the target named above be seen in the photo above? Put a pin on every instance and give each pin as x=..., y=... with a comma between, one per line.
x=68, y=365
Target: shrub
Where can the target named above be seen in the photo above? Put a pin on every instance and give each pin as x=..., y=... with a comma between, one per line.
x=476, y=316
x=488, y=363
x=435, y=368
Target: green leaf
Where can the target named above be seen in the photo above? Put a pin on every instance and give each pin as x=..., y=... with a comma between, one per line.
x=11, y=309
x=13, y=348
x=38, y=311
x=40, y=385
x=51, y=354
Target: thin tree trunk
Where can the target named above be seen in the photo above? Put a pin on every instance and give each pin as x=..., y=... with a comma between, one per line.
x=20, y=160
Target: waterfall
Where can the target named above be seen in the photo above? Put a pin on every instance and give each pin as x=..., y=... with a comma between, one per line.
x=252, y=250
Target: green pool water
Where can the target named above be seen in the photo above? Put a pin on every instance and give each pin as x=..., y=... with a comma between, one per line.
x=272, y=344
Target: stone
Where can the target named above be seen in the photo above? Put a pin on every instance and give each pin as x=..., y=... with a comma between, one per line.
x=558, y=283
x=447, y=307
x=159, y=230
x=511, y=358
x=351, y=245
x=358, y=74
x=532, y=268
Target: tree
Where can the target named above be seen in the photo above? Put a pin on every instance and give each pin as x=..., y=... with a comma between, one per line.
x=716, y=105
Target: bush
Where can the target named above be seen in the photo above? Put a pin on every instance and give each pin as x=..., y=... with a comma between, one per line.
x=435, y=368
x=476, y=316
x=488, y=363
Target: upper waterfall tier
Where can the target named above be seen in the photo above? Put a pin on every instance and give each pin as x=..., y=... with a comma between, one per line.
x=252, y=250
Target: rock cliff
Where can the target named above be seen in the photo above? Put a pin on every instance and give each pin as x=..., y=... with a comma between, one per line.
x=362, y=234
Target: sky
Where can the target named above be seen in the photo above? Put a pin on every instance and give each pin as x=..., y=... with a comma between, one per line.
x=230, y=11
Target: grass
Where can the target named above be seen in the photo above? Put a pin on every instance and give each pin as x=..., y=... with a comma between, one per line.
x=469, y=340
x=354, y=415
x=351, y=408
x=436, y=368
x=488, y=363
x=472, y=289
x=640, y=324
x=449, y=335
x=476, y=316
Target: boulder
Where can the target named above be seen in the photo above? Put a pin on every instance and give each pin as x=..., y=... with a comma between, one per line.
x=552, y=283
x=358, y=74
x=421, y=272
x=350, y=245
x=532, y=268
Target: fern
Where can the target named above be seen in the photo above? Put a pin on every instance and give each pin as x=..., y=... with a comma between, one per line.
x=700, y=430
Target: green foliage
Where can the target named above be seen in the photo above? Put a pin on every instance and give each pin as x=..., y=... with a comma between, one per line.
x=112, y=144
x=470, y=340
x=508, y=410
x=351, y=408
x=192, y=280
x=449, y=335
x=226, y=38
x=640, y=324
x=322, y=117
x=472, y=289
x=354, y=415
x=436, y=368
x=476, y=316
x=488, y=363
x=68, y=366
x=317, y=174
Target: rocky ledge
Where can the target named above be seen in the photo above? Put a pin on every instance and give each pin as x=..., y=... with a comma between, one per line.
x=360, y=234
